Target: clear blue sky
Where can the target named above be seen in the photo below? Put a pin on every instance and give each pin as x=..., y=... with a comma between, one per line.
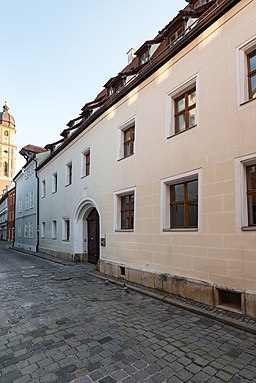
x=58, y=54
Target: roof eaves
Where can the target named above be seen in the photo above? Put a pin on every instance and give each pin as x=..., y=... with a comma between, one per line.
x=222, y=7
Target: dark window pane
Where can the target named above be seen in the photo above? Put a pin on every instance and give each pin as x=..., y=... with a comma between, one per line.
x=177, y=216
x=192, y=98
x=180, y=123
x=177, y=192
x=180, y=104
x=252, y=209
x=252, y=62
x=192, y=215
x=125, y=220
x=251, y=177
x=125, y=202
x=193, y=190
x=192, y=117
x=253, y=87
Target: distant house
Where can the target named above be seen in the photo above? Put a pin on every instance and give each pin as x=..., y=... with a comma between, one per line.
x=155, y=180
x=3, y=216
x=11, y=213
x=26, y=208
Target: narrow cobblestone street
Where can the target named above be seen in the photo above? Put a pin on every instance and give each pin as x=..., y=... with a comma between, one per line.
x=60, y=324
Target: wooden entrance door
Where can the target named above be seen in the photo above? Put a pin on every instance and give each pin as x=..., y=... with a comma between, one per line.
x=93, y=236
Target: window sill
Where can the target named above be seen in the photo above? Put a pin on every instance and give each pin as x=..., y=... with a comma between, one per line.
x=248, y=228
x=185, y=230
x=124, y=231
x=67, y=185
x=183, y=131
x=123, y=158
x=54, y=192
x=85, y=176
x=247, y=101
x=66, y=240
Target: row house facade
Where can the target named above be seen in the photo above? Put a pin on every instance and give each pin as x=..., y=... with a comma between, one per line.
x=155, y=180
x=26, y=206
x=7, y=213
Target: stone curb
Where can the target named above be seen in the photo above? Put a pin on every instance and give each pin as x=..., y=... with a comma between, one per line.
x=215, y=313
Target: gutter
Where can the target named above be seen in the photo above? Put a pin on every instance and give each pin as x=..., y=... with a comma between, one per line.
x=218, y=9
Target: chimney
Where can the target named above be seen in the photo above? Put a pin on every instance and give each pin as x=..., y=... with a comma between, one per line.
x=130, y=55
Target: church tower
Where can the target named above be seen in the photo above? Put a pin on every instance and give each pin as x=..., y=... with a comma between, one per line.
x=7, y=148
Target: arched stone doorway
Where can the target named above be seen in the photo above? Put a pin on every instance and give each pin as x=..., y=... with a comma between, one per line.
x=93, y=239
x=87, y=230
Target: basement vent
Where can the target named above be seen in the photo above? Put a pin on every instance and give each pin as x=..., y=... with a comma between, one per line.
x=122, y=271
x=229, y=299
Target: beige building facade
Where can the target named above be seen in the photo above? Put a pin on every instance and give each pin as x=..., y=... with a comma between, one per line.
x=159, y=185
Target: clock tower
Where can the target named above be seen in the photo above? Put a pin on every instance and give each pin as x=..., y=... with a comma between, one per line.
x=7, y=148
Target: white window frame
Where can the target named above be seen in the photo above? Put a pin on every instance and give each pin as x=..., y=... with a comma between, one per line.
x=26, y=201
x=165, y=200
x=242, y=70
x=43, y=191
x=54, y=229
x=120, y=137
x=117, y=209
x=170, y=103
x=19, y=229
x=43, y=229
x=26, y=230
x=68, y=180
x=31, y=199
x=241, y=164
x=54, y=182
x=64, y=229
x=31, y=230
x=83, y=167
x=20, y=205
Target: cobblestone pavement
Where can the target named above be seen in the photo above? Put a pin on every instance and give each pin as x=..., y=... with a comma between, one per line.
x=58, y=323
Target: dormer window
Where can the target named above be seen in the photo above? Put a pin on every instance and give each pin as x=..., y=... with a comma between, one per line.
x=176, y=36
x=199, y=3
x=145, y=57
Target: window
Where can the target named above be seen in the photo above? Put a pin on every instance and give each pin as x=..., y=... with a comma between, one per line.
x=199, y=3
x=66, y=230
x=129, y=141
x=31, y=230
x=247, y=71
x=251, y=194
x=125, y=210
x=245, y=188
x=86, y=163
x=181, y=206
x=43, y=191
x=69, y=174
x=54, y=182
x=251, y=58
x=19, y=230
x=184, y=204
x=185, y=111
x=43, y=230
x=20, y=205
x=54, y=229
x=31, y=199
x=176, y=36
x=26, y=233
x=126, y=139
x=182, y=107
x=5, y=169
x=144, y=57
x=26, y=201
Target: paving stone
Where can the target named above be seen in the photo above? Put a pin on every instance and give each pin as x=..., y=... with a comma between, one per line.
x=83, y=332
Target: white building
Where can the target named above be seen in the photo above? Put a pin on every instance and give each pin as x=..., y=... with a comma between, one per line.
x=155, y=180
x=26, y=207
